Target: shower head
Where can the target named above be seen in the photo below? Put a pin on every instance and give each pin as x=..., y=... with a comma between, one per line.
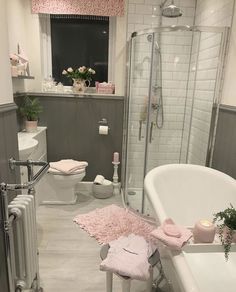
x=171, y=11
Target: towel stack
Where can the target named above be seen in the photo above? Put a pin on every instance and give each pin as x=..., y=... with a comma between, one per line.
x=128, y=256
x=67, y=166
x=172, y=235
x=102, y=188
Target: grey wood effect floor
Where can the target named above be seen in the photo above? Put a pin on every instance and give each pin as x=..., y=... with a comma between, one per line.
x=68, y=257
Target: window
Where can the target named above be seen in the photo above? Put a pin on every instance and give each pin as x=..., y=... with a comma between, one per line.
x=95, y=23
x=79, y=41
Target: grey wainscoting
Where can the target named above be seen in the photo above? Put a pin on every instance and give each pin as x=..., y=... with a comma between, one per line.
x=8, y=148
x=224, y=156
x=72, y=124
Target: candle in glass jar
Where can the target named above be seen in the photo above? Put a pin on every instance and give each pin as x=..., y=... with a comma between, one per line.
x=204, y=231
x=116, y=157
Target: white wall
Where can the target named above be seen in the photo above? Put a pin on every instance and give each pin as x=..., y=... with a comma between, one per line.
x=229, y=87
x=6, y=95
x=24, y=30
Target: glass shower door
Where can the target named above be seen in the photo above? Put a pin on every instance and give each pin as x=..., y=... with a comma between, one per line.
x=139, y=82
x=173, y=56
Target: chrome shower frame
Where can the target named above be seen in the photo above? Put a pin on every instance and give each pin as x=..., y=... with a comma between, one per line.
x=217, y=98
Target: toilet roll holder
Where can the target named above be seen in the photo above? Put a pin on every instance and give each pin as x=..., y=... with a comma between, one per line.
x=103, y=122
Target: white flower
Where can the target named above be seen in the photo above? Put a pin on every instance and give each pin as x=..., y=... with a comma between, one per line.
x=81, y=69
x=70, y=70
x=91, y=71
x=64, y=72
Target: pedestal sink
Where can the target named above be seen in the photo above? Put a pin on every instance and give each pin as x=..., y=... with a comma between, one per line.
x=27, y=145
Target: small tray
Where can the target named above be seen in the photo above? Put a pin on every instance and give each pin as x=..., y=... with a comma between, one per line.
x=215, y=246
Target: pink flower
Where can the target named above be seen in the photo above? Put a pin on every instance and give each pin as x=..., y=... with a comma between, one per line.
x=91, y=71
x=82, y=69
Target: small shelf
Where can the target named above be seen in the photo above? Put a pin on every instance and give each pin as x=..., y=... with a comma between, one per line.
x=23, y=77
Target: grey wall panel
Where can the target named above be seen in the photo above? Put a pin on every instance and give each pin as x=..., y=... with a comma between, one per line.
x=73, y=131
x=224, y=156
x=8, y=148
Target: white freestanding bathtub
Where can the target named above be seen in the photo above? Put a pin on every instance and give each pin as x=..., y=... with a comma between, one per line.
x=187, y=193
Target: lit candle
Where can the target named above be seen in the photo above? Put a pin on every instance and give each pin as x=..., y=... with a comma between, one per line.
x=204, y=231
x=116, y=157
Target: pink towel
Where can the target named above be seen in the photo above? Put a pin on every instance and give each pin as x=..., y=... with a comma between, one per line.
x=68, y=166
x=128, y=256
x=172, y=235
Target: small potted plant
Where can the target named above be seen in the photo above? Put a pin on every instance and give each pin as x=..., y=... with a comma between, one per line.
x=31, y=109
x=227, y=228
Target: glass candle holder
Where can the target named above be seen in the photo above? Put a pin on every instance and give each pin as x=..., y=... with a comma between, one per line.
x=204, y=231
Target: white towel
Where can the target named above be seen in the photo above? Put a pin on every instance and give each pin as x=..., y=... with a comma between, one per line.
x=68, y=166
x=128, y=256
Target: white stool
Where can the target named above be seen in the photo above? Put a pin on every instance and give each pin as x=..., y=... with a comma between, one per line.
x=126, y=281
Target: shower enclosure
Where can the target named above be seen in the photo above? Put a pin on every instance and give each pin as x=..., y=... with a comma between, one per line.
x=174, y=89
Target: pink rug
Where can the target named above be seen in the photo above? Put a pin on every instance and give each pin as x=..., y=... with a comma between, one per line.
x=111, y=222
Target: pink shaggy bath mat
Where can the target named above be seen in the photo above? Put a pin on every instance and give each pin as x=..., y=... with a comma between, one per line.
x=111, y=222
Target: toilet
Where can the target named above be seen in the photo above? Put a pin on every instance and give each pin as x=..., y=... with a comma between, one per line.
x=59, y=187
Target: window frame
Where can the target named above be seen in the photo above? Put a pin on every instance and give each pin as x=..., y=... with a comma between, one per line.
x=46, y=48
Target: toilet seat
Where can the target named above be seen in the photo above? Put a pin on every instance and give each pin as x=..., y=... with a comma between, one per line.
x=57, y=172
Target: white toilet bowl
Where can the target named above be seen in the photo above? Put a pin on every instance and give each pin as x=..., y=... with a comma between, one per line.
x=60, y=188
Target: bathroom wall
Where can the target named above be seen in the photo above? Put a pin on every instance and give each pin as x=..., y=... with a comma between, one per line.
x=5, y=80
x=224, y=157
x=72, y=130
x=8, y=148
x=24, y=30
x=8, y=129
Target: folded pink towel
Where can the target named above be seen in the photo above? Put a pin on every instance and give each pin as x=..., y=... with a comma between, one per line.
x=172, y=235
x=128, y=256
x=68, y=166
x=55, y=171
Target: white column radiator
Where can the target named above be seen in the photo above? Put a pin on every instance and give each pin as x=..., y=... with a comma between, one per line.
x=23, y=242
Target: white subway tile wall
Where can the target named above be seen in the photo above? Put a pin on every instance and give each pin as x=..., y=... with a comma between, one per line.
x=208, y=13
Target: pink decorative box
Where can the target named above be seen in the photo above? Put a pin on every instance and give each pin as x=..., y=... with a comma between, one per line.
x=105, y=88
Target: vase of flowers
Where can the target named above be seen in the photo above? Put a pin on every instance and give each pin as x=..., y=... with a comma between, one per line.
x=81, y=77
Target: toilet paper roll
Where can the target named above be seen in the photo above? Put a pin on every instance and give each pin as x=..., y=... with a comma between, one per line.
x=103, y=130
x=99, y=179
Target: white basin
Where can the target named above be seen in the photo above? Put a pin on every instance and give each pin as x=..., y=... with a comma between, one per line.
x=27, y=146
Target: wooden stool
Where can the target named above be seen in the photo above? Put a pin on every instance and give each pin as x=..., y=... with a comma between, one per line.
x=126, y=281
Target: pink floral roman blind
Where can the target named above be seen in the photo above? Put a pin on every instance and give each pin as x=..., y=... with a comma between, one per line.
x=82, y=7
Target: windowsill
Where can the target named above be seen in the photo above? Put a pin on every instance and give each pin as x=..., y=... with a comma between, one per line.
x=71, y=95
